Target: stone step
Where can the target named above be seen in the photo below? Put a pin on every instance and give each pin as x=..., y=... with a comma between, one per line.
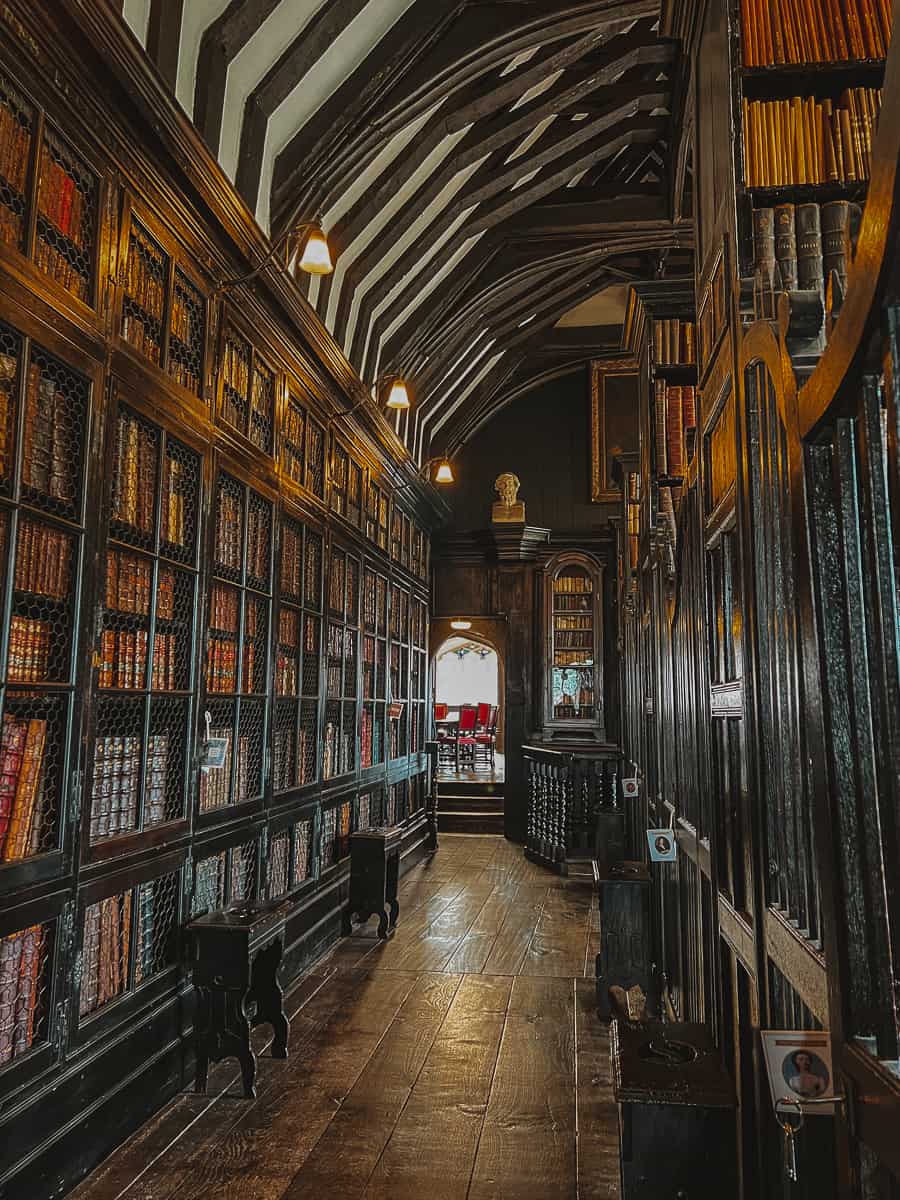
x=473, y=804
x=464, y=822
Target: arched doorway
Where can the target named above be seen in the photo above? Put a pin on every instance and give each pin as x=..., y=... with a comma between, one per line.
x=467, y=669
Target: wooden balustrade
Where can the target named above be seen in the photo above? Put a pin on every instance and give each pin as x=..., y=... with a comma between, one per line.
x=574, y=806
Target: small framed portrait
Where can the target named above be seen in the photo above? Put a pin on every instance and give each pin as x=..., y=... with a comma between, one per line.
x=799, y=1067
x=631, y=787
x=662, y=843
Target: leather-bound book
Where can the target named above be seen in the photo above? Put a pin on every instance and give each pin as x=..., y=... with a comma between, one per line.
x=835, y=221
x=764, y=244
x=786, y=246
x=659, y=418
x=10, y=964
x=809, y=248
x=674, y=432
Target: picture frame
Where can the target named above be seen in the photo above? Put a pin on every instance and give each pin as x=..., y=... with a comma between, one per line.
x=663, y=845
x=614, y=422
x=800, y=1068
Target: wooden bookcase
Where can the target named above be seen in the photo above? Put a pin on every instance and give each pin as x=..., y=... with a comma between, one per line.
x=806, y=106
x=184, y=530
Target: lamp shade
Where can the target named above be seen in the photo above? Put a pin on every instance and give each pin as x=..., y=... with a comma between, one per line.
x=398, y=396
x=444, y=473
x=316, y=257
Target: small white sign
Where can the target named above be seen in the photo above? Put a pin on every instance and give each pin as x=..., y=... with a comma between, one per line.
x=212, y=756
x=800, y=1069
x=631, y=787
x=663, y=846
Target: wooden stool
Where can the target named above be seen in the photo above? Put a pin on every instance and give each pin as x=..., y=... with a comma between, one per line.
x=235, y=971
x=374, y=874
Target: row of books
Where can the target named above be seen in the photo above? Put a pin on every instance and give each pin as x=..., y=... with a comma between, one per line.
x=675, y=412
x=229, y=531
x=567, y=585
x=334, y=837
x=157, y=912
x=225, y=609
x=29, y=650
x=572, y=623
x=23, y=743
x=569, y=658
x=15, y=143
x=583, y=639
x=141, y=333
x=134, y=474
x=372, y=735
x=236, y=366
x=673, y=342
x=397, y=737
x=287, y=678
x=105, y=951
x=262, y=394
x=808, y=31
x=806, y=141
x=123, y=660
x=43, y=560
x=115, y=793
x=564, y=603
x=185, y=371
x=279, y=863
x=129, y=586
x=802, y=246
x=22, y=956
x=145, y=276
x=50, y=452
x=186, y=320
x=215, y=785
x=303, y=832
x=73, y=275
x=337, y=750
x=291, y=570
x=178, y=482
x=60, y=198
x=221, y=666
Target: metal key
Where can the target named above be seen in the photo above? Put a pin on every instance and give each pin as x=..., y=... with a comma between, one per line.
x=790, y=1153
x=790, y=1132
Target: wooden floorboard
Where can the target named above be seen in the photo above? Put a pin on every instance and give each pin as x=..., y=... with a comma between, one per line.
x=461, y=1060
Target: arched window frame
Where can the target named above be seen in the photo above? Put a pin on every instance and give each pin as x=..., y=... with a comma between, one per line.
x=555, y=727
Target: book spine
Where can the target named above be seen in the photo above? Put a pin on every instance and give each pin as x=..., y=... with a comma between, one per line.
x=809, y=248
x=786, y=246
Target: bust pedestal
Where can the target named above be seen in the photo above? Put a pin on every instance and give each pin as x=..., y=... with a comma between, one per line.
x=505, y=514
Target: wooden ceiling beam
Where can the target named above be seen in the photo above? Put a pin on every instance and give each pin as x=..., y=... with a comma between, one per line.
x=221, y=43
x=383, y=96
x=322, y=28
x=547, y=181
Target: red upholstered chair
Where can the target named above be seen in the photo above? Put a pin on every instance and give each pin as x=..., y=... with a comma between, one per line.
x=486, y=741
x=446, y=735
x=484, y=715
x=465, y=734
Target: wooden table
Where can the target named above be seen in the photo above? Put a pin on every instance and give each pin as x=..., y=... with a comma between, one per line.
x=236, y=954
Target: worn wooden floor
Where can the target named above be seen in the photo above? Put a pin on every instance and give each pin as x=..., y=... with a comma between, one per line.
x=462, y=1060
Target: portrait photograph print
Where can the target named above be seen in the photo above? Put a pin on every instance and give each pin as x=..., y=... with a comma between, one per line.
x=663, y=846
x=799, y=1066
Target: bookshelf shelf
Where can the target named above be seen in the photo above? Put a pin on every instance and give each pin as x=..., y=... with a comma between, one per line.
x=808, y=193
x=818, y=79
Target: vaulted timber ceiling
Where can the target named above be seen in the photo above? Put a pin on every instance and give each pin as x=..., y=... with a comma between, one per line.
x=481, y=168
